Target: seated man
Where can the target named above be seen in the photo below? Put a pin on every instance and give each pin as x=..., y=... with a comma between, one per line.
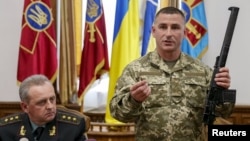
x=38, y=101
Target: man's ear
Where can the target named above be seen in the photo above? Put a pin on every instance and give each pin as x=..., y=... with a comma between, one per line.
x=185, y=31
x=24, y=107
x=153, y=31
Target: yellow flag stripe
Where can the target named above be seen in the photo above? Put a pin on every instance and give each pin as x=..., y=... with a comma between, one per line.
x=125, y=49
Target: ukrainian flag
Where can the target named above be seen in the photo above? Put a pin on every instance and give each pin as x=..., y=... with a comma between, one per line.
x=125, y=44
x=196, y=41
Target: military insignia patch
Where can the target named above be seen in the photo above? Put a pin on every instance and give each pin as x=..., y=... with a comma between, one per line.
x=52, y=131
x=22, y=131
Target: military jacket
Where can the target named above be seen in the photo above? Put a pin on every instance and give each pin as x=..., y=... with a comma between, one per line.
x=174, y=109
x=65, y=127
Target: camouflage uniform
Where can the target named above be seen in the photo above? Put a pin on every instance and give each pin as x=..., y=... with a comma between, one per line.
x=174, y=109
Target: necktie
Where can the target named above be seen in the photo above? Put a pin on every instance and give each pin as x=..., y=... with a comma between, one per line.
x=38, y=132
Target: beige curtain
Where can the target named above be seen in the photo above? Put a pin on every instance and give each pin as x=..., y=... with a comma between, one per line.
x=67, y=68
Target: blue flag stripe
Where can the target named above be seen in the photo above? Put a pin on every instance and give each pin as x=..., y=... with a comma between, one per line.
x=151, y=7
x=122, y=5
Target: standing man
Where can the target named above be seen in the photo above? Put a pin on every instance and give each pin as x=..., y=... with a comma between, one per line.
x=164, y=91
x=38, y=101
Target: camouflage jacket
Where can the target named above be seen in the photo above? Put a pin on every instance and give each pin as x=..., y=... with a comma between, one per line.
x=174, y=109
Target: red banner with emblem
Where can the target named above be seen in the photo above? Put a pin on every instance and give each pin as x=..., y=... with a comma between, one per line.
x=37, y=50
x=94, y=61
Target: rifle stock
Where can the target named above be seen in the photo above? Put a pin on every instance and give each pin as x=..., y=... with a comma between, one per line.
x=217, y=95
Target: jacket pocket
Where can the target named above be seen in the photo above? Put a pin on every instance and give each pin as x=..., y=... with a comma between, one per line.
x=195, y=92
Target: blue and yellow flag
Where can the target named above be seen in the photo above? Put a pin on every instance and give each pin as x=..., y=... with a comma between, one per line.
x=196, y=41
x=151, y=7
x=125, y=44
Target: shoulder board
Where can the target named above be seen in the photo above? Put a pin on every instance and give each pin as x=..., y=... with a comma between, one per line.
x=10, y=119
x=68, y=118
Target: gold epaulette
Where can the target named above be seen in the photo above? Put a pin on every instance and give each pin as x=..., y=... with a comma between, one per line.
x=10, y=119
x=76, y=113
x=68, y=118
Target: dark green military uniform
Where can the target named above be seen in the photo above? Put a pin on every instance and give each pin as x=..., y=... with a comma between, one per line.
x=174, y=109
x=65, y=127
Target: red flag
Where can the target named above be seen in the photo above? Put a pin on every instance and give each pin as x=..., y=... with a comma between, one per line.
x=37, y=52
x=94, y=61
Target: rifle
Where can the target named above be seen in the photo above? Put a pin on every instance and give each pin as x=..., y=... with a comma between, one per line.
x=217, y=95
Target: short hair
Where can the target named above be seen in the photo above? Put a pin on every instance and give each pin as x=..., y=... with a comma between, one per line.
x=170, y=10
x=33, y=80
